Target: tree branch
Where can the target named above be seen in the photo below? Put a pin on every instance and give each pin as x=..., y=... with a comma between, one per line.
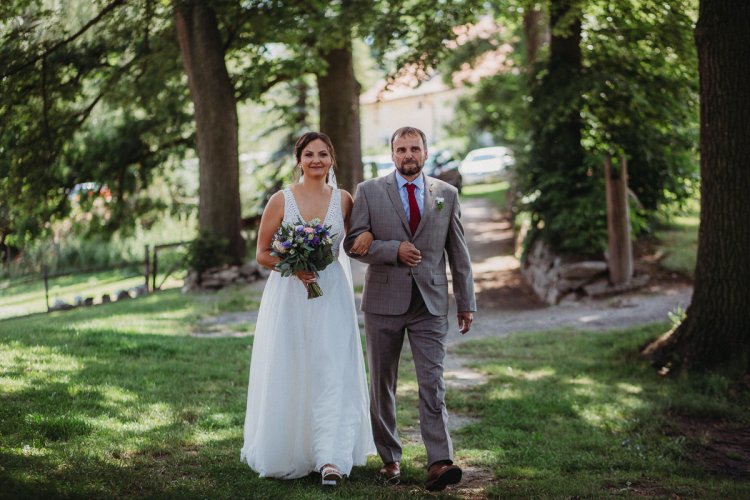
x=84, y=29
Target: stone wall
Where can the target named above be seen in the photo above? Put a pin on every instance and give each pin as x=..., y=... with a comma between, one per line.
x=555, y=278
x=219, y=277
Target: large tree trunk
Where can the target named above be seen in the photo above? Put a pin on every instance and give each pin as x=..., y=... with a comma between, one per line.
x=339, y=114
x=716, y=331
x=563, y=145
x=556, y=161
x=215, y=124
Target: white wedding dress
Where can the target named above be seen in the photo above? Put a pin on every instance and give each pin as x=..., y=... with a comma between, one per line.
x=307, y=401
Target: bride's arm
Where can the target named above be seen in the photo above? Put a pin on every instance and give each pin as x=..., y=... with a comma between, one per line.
x=383, y=252
x=362, y=244
x=270, y=221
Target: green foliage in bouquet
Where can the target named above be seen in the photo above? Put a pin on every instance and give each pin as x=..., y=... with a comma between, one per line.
x=303, y=247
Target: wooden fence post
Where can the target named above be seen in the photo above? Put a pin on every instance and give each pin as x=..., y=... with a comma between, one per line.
x=618, y=222
x=156, y=266
x=146, y=265
x=45, y=272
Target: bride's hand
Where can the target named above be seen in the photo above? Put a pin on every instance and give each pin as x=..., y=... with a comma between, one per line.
x=362, y=244
x=306, y=277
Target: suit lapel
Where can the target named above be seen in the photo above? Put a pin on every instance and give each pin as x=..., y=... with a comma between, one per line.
x=392, y=188
x=427, y=208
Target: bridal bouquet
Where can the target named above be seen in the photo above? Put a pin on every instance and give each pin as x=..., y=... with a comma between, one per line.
x=303, y=247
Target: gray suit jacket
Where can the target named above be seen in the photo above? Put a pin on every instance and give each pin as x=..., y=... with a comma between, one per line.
x=378, y=209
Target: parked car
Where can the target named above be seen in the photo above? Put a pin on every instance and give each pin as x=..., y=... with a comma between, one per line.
x=444, y=166
x=486, y=164
x=377, y=166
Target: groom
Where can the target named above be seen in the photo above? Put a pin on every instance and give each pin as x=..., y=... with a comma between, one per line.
x=415, y=223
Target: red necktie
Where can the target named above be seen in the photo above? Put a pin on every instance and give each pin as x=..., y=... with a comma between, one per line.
x=414, y=215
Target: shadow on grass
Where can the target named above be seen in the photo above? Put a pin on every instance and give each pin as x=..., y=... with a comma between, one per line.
x=95, y=405
x=568, y=414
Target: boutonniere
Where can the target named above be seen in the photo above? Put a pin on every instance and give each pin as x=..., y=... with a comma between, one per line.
x=440, y=202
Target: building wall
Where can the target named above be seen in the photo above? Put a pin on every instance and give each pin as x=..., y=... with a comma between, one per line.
x=428, y=112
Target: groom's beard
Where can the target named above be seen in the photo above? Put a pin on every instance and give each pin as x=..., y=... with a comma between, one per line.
x=411, y=167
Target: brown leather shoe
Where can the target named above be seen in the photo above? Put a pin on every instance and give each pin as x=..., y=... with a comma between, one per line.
x=391, y=472
x=441, y=474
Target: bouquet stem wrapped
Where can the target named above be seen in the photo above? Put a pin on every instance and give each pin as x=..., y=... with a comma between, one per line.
x=303, y=247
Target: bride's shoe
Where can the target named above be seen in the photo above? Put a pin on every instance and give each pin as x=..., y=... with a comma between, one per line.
x=330, y=475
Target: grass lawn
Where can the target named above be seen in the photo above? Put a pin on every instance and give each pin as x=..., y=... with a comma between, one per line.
x=120, y=400
x=28, y=298
x=567, y=414
x=495, y=192
x=678, y=241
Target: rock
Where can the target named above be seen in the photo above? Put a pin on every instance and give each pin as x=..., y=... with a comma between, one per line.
x=249, y=269
x=61, y=305
x=123, y=294
x=106, y=299
x=215, y=270
x=139, y=291
x=88, y=301
x=228, y=275
x=553, y=296
x=191, y=282
x=602, y=287
x=565, y=285
x=78, y=300
x=583, y=270
x=212, y=284
x=597, y=288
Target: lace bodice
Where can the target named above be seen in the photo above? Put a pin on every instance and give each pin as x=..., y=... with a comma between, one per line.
x=333, y=216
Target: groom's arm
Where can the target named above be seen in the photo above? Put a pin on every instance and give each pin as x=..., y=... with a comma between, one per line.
x=381, y=251
x=460, y=262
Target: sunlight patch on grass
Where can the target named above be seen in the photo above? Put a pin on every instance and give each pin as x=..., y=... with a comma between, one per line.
x=407, y=389
x=115, y=395
x=504, y=392
x=205, y=437
x=530, y=375
x=630, y=388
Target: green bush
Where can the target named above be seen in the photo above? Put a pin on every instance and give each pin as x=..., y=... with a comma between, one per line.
x=207, y=251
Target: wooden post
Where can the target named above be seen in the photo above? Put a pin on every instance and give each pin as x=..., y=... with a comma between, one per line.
x=45, y=272
x=618, y=222
x=146, y=266
x=156, y=267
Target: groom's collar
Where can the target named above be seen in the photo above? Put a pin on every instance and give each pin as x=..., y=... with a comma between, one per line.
x=419, y=181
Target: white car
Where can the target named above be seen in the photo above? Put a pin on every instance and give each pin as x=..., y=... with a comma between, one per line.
x=377, y=166
x=486, y=164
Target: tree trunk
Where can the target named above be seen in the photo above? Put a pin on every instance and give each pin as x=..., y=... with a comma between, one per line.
x=216, y=124
x=564, y=144
x=716, y=331
x=339, y=114
x=536, y=34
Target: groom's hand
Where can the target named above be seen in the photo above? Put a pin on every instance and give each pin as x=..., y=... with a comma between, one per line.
x=408, y=254
x=464, y=321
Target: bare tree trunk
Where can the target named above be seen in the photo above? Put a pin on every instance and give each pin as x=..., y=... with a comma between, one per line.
x=618, y=222
x=339, y=114
x=216, y=124
x=716, y=331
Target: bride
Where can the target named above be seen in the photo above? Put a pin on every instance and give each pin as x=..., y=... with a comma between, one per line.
x=307, y=401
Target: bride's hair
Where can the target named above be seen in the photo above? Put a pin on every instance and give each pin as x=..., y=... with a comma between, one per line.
x=306, y=139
